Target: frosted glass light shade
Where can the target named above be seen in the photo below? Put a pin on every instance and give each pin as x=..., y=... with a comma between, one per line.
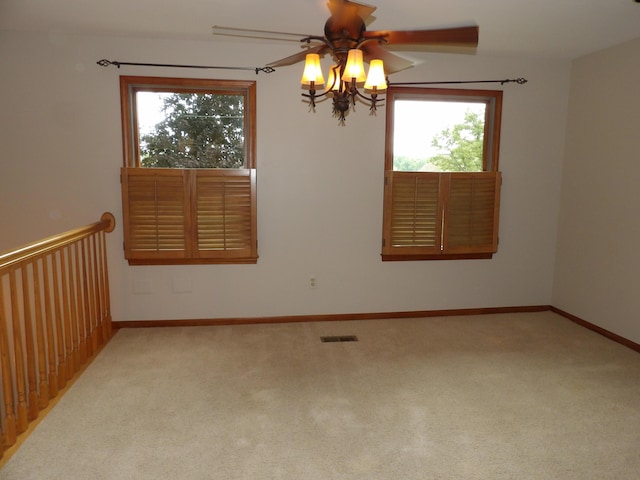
x=376, y=77
x=312, y=70
x=354, y=67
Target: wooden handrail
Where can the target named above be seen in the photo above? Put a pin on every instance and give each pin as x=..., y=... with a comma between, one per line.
x=55, y=314
x=107, y=223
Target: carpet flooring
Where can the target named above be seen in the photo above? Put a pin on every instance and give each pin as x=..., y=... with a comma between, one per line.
x=509, y=396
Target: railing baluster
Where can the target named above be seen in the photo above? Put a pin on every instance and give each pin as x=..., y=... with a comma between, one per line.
x=49, y=327
x=88, y=321
x=91, y=297
x=66, y=320
x=43, y=387
x=95, y=295
x=104, y=282
x=59, y=304
x=81, y=322
x=7, y=382
x=32, y=385
x=70, y=323
x=18, y=355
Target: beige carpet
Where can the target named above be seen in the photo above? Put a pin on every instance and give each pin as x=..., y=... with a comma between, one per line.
x=525, y=396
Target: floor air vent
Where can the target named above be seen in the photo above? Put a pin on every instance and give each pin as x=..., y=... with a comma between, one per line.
x=339, y=338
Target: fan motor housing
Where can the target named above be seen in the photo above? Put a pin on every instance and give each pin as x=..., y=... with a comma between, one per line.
x=344, y=32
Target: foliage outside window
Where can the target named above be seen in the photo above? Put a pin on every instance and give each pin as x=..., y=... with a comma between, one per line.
x=442, y=184
x=189, y=178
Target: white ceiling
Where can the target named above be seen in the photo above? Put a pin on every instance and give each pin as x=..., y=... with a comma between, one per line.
x=559, y=29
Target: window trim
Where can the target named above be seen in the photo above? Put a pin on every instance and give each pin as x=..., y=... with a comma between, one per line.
x=129, y=85
x=240, y=207
x=491, y=150
x=493, y=117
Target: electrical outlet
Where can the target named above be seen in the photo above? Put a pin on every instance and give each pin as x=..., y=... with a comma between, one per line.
x=313, y=281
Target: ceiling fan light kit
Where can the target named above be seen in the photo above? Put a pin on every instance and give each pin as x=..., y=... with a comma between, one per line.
x=344, y=82
x=347, y=40
x=351, y=45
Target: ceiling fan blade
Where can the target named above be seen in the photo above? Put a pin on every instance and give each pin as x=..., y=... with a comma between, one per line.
x=460, y=36
x=392, y=63
x=298, y=57
x=257, y=34
x=363, y=10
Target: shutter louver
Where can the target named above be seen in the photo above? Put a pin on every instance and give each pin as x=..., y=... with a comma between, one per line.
x=225, y=213
x=471, y=221
x=415, y=216
x=155, y=210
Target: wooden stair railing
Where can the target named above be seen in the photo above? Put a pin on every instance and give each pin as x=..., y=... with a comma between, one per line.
x=54, y=315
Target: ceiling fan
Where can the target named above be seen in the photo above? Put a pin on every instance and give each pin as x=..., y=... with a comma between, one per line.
x=345, y=34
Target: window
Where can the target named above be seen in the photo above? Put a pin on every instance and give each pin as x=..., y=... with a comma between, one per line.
x=189, y=175
x=442, y=183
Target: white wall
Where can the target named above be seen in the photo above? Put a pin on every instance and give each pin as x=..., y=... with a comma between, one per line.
x=319, y=184
x=598, y=263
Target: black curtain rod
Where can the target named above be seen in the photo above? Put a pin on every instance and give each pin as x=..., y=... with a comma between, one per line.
x=519, y=81
x=105, y=63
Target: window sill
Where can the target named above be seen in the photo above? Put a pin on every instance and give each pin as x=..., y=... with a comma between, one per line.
x=448, y=256
x=192, y=261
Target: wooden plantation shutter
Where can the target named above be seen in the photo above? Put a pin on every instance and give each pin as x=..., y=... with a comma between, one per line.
x=440, y=215
x=471, y=224
x=413, y=222
x=225, y=206
x=155, y=212
x=189, y=215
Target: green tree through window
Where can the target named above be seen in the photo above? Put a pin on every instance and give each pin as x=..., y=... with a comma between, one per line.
x=461, y=146
x=198, y=130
